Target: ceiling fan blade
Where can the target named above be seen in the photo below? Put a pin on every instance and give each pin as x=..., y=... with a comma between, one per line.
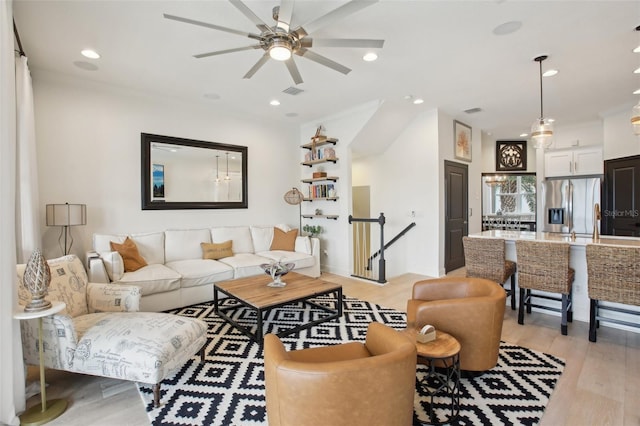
x=221, y=52
x=262, y=26
x=293, y=70
x=285, y=11
x=341, y=12
x=212, y=26
x=322, y=60
x=341, y=42
x=257, y=65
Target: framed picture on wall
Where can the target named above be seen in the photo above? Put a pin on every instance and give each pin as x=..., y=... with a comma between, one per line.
x=461, y=141
x=158, y=181
x=511, y=155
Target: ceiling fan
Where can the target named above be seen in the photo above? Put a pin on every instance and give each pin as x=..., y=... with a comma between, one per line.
x=280, y=41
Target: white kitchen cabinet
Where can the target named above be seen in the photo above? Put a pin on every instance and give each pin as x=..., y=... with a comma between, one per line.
x=574, y=162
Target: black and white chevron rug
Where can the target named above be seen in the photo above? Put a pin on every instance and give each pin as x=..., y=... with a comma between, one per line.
x=228, y=389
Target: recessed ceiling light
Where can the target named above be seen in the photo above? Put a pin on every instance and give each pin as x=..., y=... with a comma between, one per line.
x=524, y=135
x=369, y=57
x=91, y=54
x=636, y=50
x=418, y=101
x=549, y=73
x=507, y=28
x=637, y=92
x=274, y=102
x=637, y=71
x=87, y=66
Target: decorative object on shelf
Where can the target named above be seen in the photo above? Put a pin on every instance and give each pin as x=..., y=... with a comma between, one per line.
x=313, y=230
x=295, y=197
x=542, y=128
x=317, y=175
x=277, y=270
x=511, y=155
x=66, y=215
x=318, y=212
x=635, y=119
x=329, y=153
x=461, y=141
x=37, y=277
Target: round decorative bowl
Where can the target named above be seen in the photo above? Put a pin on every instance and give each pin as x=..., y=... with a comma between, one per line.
x=276, y=271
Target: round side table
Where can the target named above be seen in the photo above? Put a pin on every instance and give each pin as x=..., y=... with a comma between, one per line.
x=47, y=410
x=442, y=358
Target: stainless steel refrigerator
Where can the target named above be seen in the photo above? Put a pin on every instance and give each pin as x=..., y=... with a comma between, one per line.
x=569, y=204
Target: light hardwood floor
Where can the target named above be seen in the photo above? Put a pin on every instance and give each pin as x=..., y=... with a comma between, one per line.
x=600, y=384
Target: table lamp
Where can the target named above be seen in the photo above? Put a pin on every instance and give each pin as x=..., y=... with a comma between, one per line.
x=66, y=215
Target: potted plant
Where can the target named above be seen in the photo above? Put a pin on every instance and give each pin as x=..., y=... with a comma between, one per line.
x=313, y=230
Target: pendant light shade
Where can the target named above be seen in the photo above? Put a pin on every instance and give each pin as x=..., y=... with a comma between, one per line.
x=635, y=119
x=542, y=128
x=227, y=177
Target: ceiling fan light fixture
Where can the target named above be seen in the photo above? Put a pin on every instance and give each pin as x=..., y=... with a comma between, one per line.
x=280, y=50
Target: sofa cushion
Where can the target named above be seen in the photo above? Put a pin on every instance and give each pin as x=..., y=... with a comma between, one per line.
x=301, y=260
x=183, y=244
x=113, y=264
x=153, y=279
x=245, y=264
x=196, y=272
x=151, y=246
x=130, y=255
x=284, y=240
x=262, y=237
x=240, y=235
x=215, y=251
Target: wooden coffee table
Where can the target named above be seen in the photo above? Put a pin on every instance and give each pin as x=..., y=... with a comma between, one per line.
x=253, y=293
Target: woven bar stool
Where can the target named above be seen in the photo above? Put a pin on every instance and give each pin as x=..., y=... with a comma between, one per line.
x=614, y=276
x=484, y=258
x=544, y=266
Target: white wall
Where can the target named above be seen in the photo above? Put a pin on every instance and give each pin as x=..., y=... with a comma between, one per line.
x=88, y=138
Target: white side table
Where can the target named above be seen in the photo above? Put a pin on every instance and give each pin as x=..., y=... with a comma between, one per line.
x=45, y=411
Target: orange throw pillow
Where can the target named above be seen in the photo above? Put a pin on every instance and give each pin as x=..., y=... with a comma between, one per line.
x=130, y=256
x=284, y=240
x=216, y=250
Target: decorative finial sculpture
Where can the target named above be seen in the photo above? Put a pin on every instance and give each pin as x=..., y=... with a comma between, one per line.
x=37, y=277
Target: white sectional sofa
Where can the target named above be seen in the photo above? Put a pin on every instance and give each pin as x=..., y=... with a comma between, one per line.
x=176, y=274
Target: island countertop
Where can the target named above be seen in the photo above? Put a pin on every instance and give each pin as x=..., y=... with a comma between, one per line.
x=577, y=261
x=552, y=236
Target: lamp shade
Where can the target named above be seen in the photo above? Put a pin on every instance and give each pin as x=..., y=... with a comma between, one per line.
x=542, y=133
x=66, y=214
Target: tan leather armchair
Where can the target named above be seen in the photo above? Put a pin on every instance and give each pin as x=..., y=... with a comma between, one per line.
x=349, y=384
x=470, y=309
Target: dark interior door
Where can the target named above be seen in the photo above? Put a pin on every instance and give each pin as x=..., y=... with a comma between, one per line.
x=456, y=214
x=621, y=195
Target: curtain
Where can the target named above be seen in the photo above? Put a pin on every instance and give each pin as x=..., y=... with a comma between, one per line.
x=12, y=381
x=27, y=222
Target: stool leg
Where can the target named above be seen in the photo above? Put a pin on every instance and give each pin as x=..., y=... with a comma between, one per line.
x=565, y=311
x=513, y=292
x=202, y=353
x=593, y=314
x=521, y=307
x=570, y=313
x=529, y=296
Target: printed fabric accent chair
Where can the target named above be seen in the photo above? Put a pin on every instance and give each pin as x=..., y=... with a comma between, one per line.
x=101, y=333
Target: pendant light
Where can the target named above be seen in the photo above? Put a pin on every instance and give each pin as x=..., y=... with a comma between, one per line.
x=217, y=176
x=227, y=176
x=542, y=128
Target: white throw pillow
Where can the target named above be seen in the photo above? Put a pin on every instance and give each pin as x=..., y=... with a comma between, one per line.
x=114, y=264
x=262, y=237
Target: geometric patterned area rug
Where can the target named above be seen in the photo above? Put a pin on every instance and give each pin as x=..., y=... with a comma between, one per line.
x=228, y=389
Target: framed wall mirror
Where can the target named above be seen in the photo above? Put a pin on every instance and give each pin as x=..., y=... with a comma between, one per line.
x=509, y=201
x=190, y=174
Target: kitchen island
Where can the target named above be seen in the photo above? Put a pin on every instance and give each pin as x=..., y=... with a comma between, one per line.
x=577, y=260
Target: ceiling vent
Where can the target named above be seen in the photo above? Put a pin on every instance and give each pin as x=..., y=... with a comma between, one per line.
x=472, y=110
x=292, y=91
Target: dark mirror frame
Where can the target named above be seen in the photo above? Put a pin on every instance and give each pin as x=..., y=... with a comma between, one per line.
x=149, y=204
